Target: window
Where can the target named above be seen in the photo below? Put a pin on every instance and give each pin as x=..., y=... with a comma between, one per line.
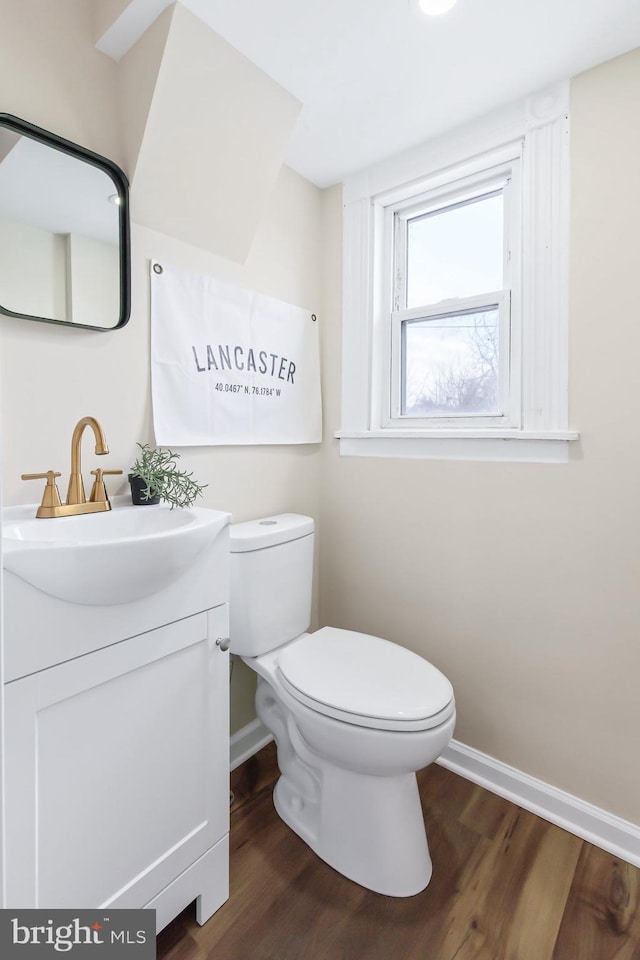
x=450, y=315
x=454, y=324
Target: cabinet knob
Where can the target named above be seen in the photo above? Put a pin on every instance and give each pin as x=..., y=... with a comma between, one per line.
x=224, y=643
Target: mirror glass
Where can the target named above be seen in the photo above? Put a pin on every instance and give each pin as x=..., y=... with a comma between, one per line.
x=64, y=231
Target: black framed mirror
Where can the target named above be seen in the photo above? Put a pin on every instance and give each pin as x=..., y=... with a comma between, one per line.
x=65, y=254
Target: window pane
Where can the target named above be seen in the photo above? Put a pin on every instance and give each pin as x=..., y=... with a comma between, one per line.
x=450, y=365
x=456, y=252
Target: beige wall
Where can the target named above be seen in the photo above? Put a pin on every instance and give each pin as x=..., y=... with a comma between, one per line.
x=51, y=376
x=521, y=581
x=51, y=74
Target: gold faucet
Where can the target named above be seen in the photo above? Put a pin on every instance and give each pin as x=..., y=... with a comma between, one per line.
x=75, y=493
x=77, y=502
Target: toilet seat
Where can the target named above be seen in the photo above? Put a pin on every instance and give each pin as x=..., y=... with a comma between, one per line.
x=365, y=680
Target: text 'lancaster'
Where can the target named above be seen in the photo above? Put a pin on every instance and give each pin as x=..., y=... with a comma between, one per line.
x=226, y=357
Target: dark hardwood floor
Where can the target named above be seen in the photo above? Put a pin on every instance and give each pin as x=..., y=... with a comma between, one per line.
x=506, y=886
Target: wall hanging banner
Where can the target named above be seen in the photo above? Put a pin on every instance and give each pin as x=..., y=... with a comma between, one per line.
x=230, y=366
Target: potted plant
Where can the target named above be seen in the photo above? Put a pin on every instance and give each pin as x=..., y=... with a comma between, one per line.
x=155, y=476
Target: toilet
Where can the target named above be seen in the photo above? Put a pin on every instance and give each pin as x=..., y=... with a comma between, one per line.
x=353, y=716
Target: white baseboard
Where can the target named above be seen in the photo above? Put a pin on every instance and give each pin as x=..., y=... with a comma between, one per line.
x=597, y=826
x=247, y=741
x=591, y=823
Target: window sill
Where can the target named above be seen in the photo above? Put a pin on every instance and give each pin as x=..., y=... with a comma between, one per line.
x=491, y=445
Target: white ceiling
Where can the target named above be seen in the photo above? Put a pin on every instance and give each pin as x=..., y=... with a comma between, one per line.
x=375, y=77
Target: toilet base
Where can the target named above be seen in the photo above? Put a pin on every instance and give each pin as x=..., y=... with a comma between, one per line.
x=367, y=825
x=370, y=829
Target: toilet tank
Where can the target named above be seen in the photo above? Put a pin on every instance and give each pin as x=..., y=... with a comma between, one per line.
x=271, y=581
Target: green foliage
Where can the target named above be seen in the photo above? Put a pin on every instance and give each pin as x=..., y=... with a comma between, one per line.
x=158, y=469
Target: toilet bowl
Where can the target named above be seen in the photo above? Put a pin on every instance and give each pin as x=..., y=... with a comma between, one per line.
x=353, y=716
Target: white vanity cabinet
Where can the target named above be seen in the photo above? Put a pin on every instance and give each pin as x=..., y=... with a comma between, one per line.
x=117, y=758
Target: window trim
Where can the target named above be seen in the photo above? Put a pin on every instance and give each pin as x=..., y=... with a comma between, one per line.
x=538, y=129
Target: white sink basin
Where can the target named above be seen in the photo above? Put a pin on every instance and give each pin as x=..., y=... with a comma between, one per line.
x=108, y=558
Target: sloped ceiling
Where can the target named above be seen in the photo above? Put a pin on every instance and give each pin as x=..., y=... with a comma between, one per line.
x=205, y=134
x=376, y=77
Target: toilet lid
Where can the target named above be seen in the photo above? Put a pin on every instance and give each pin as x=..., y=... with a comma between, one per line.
x=365, y=680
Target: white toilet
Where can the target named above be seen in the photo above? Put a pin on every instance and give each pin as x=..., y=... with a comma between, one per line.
x=353, y=716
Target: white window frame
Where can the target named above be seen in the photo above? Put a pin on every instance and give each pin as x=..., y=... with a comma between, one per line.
x=528, y=144
x=393, y=312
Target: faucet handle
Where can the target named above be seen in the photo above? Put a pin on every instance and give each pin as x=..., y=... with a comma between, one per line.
x=51, y=496
x=98, y=490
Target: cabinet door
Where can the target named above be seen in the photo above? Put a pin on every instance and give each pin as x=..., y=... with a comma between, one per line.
x=117, y=768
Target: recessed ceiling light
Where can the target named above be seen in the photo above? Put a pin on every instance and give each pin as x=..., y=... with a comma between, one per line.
x=433, y=8
x=115, y=197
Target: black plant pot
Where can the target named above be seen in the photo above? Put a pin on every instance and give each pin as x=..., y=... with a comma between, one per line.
x=138, y=487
